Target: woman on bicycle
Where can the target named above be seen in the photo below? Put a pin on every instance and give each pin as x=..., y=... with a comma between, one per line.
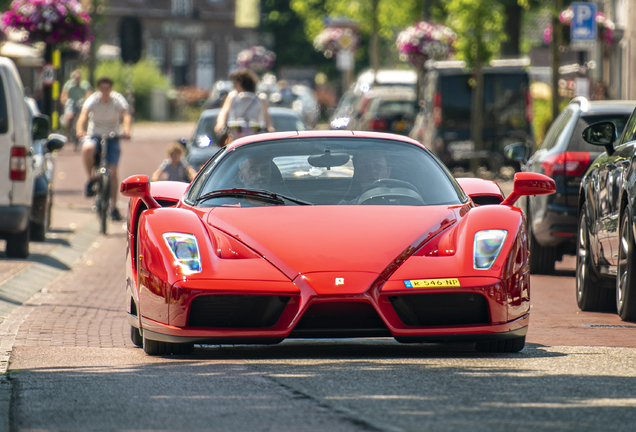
x=244, y=112
x=105, y=110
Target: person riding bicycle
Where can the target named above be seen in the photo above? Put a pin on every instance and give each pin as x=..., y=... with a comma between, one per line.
x=244, y=112
x=73, y=94
x=105, y=110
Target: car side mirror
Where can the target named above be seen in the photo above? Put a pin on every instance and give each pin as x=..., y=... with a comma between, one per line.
x=55, y=142
x=40, y=127
x=601, y=134
x=138, y=186
x=183, y=141
x=529, y=183
x=517, y=152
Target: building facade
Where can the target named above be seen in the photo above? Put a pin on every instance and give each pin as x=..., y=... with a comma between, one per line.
x=194, y=42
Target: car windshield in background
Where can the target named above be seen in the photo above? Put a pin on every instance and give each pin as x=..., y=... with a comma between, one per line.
x=578, y=144
x=326, y=171
x=205, y=136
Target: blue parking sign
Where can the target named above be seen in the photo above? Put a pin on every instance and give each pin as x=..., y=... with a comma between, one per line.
x=583, y=26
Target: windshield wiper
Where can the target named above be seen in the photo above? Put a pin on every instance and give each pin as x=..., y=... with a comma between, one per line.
x=253, y=193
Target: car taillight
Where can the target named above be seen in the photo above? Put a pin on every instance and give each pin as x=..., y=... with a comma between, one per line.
x=378, y=125
x=437, y=109
x=568, y=163
x=18, y=163
x=529, y=108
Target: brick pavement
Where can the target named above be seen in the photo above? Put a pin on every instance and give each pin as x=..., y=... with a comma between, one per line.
x=83, y=307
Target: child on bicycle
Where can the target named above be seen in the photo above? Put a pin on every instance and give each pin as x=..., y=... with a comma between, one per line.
x=175, y=168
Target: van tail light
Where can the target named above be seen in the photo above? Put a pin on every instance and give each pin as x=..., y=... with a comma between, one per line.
x=378, y=125
x=18, y=163
x=437, y=109
x=529, y=107
x=568, y=163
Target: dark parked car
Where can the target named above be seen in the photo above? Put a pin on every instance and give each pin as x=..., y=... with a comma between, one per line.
x=443, y=124
x=564, y=156
x=204, y=142
x=606, y=252
x=386, y=109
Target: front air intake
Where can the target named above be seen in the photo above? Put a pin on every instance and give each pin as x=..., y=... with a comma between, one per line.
x=340, y=319
x=441, y=309
x=236, y=311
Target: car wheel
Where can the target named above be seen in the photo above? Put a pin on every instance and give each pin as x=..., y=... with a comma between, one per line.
x=625, y=280
x=152, y=347
x=135, y=336
x=504, y=346
x=18, y=244
x=542, y=258
x=38, y=230
x=590, y=295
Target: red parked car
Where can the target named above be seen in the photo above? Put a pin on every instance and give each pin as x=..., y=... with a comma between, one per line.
x=327, y=234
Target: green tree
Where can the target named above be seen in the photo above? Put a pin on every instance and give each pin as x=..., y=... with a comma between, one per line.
x=286, y=25
x=479, y=25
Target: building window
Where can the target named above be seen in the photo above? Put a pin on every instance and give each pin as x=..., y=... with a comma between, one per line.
x=205, y=64
x=157, y=51
x=181, y=7
x=179, y=63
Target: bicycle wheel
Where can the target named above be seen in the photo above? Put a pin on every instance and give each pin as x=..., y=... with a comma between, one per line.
x=103, y=201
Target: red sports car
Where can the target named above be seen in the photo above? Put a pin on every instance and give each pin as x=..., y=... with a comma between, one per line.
x=327, y=234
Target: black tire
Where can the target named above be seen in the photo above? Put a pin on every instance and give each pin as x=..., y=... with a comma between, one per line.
x=590, y=294
x=541, y=258
x=38, y=230
x=503, y=346
x=625, y=278
x=180, y=348
x=153, y=348
x=18, y=244
x=103, y=202
x=135, y=336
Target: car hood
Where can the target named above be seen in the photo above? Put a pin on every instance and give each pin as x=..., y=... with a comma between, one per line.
x=309, y=239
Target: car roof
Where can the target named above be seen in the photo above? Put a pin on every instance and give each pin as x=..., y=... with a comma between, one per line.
x=321, y=134
x=609, y=107
x=388, y=77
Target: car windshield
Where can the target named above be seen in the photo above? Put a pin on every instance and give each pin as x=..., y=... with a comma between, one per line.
x=326, y=171
x=204, y=136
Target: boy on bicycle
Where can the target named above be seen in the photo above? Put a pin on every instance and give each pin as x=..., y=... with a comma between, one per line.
x=105, y=110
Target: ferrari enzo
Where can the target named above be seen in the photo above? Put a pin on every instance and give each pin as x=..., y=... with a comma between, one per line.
x=327, y=234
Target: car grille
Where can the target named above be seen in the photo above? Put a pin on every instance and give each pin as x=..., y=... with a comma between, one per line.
x=236, y=311
x=340, y=319
x=441, y=309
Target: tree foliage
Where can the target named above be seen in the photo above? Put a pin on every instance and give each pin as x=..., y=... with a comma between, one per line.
x=479, y=26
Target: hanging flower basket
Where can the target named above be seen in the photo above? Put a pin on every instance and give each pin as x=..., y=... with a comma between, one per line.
x=256, y=58
x=425, y=41
x=333, y=39
x=605, y=27
x=49, y=21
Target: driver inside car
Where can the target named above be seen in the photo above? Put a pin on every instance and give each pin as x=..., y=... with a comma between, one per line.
x=255, y=173
x=368, y=167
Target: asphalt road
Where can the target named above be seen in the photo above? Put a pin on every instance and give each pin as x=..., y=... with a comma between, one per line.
x=70, y=364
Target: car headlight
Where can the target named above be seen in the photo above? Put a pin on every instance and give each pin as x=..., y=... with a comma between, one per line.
x=486, y=248
x=185, y=249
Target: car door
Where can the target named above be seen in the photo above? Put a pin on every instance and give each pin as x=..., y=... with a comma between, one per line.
x=612, y=173
x=541, y=162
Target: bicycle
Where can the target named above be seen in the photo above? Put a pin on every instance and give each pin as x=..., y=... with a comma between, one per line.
x=102, y=191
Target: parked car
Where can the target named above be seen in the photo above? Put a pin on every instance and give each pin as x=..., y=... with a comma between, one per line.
x=300, y=98
x=204, y=141
x=564, y=156
x=606, y=251
x=18, y=130
x=366, y=81
x=326, y=234
x=43, y=171
x=443, y=124
x=386, y=109
x=219, y=92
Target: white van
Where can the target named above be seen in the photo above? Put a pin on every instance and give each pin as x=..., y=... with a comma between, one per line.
x=17, y=132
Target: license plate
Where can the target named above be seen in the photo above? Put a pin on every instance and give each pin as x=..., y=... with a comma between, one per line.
x=432, y=283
